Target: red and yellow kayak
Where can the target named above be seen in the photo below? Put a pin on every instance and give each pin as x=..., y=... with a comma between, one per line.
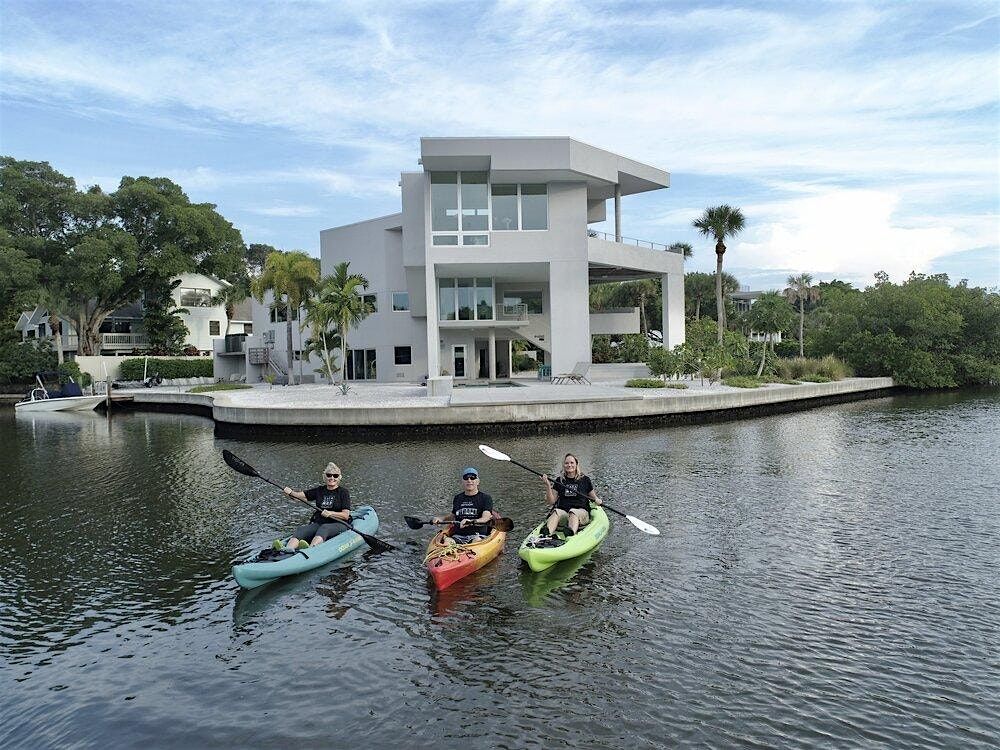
x=447, y=563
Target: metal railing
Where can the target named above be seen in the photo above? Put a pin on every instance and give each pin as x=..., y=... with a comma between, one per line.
x=632, y=241
x=512, y=312
x=124, y=340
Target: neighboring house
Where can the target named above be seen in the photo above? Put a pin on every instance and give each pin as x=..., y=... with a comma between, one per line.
x=492, y=245
x=251, y=357
x=122, y=332
x=742, y=302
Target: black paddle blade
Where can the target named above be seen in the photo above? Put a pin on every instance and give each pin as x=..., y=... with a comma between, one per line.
x=239, y=465
x=377, y=545
x=414, y=523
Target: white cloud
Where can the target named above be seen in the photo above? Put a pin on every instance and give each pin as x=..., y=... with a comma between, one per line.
x=284, y=211
x=847, y=234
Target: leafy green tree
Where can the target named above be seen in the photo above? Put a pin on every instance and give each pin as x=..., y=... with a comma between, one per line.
x=720, y=223
x=99, y=252
x=770, y=314
x=663, y=362
x=699, y=293
x=290, y=277
x=801, y=291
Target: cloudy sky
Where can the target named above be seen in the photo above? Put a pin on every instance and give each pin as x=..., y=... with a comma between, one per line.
x=855, y=136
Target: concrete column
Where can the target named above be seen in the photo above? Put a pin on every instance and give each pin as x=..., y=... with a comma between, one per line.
x=433, y=335
x=673, y=309
x=618, y=213
x=569, y=315
x=493, y=354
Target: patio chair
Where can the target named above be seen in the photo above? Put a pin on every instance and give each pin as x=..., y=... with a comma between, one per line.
x=578, y=375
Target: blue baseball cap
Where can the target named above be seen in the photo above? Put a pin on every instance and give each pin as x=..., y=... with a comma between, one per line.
x=469, y=470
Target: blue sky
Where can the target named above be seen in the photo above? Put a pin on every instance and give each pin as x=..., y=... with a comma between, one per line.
x=855, y=136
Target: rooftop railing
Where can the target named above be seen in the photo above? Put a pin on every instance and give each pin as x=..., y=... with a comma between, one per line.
x=631, y=241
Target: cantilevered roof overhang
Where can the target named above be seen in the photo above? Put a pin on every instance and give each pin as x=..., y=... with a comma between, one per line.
x=546, y=159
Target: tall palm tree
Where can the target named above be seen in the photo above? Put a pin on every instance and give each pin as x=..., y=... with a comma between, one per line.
x=322, y=320
x=800, y=291
x=290, y=276
x=720, y=222
x=683, y=248
x=341, y=293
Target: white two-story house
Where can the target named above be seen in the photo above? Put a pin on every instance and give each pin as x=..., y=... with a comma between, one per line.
x=492, y=245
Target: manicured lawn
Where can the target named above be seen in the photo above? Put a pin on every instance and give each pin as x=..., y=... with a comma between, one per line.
x=219, y=387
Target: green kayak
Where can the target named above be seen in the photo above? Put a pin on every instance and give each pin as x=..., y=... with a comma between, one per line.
x=589, y=537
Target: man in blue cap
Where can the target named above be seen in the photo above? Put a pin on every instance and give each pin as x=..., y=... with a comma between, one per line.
x=471, y=511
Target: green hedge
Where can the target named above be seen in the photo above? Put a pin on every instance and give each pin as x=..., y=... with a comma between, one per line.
x=742, y=381
x=131, y=369
x=645, y=383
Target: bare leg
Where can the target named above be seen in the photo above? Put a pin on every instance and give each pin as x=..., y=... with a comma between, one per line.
x=316, y=540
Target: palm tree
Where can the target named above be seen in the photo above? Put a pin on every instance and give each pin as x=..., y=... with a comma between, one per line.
x=800, y=290
x=232, y=295
x=769, y=314
x=290, y=276
x=340, y=294
x=322, y=322
x=720, y=222
x=683, y=248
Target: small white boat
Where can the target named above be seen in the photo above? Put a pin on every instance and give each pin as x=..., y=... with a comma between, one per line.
x=71, y=399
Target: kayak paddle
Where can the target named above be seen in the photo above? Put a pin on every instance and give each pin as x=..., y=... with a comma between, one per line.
x=241, y=466
x=500, y=524
x=637, y=522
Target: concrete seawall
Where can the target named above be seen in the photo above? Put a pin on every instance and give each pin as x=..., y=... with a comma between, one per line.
x=512, y=412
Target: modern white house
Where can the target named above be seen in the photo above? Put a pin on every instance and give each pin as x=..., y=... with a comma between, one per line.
x=492, y=245
x=122, y=332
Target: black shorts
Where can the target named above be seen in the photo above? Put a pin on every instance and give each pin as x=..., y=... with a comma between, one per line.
x=325, y=530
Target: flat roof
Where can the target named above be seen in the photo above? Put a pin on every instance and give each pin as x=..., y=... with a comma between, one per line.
x=545, y=158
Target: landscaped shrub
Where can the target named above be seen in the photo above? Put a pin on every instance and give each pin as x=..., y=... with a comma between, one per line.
x=524, y=362
x=814, y=379
x=219, y=387
x=20, y=361
x=71, y=369
x=131, y=369
x=798, y=368
x=742, y=381
x=645, y=383
x=676, y=386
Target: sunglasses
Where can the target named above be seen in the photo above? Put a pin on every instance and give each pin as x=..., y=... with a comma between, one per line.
x=467, y=477
x=333, y=476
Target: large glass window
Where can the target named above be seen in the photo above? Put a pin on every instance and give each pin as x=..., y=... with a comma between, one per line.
x=361, y=364
x=196, y=297
x=446, y=239
x=475, y=202
x=504, y=208
x=444, y=201
x=400, y=301
x=475, y=239
x=534, y=207
x=466, y=294
x=446, y=299
x=465, y=299
x=484, y=299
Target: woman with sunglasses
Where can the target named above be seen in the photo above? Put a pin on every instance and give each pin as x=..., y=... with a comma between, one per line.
x=471, y=511
x=333, y=506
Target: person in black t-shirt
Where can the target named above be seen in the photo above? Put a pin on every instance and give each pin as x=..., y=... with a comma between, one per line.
x=333, y=509
x=471, y=511
x=570, y=496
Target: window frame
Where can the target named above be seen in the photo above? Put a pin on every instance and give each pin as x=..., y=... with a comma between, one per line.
x=218, y=327
x=444, y=237
x=392, y=301
x=396, y=353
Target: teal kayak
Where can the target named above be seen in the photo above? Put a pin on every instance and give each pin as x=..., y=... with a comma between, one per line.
x=252, y=574
x=586, y=539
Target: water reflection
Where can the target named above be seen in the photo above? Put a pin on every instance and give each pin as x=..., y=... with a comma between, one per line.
x=823, y=578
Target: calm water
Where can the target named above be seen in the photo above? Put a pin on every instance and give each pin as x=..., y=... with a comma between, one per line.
x=829, y=578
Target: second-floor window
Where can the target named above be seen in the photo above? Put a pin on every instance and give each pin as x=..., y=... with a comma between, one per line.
x=213, y=328
x=465, y=299
x=278, y=314
x=371, y=301
x=196, y=297
x=465, y=207
x=400, y=301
